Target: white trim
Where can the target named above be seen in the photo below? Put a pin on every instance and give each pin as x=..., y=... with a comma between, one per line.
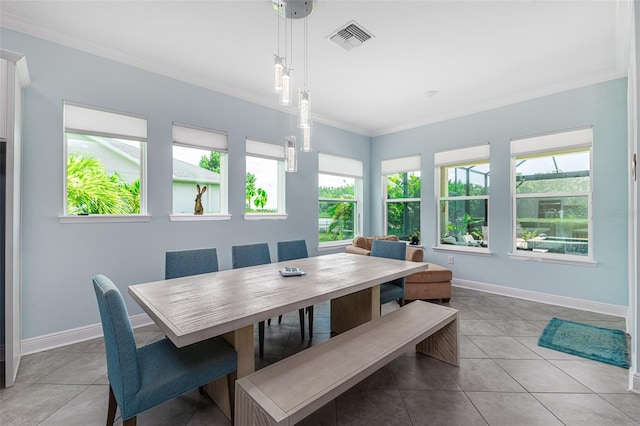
x=563, y=259
x=552, y=299
x=188, y=217
x=101, y=218
x=635, y=383
x=74, y=335
x=452, y=248
x=329, y=245
x=261, y=216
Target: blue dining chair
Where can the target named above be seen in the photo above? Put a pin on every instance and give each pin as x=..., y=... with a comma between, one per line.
x=190, y=262
x=142, y=378
x=252, y=255
x=291, y=250
x=392, y=290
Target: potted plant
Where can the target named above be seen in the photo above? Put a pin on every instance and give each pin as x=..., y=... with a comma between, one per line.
x=414, y=239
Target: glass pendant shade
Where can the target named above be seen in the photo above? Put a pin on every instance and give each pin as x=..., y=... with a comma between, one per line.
x=285, y=94
x=292, y=163
x=304, y=110
x=278, y=68
x=306, y=139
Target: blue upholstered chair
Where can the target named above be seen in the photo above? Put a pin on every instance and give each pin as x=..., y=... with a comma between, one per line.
x=252, y=255
x=291, y=250
x=142, y=378
x=392, y=290
x=190, y=262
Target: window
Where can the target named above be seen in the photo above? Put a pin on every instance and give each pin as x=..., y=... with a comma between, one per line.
x=199, y=160
x=339, y=197
x=105, y=155
x=552, y=186
x=401, y=183
x=265, y=180
x=463, y=198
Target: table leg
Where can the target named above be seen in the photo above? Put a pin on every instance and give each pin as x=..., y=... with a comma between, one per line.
x=242, y=340
x=350, y=311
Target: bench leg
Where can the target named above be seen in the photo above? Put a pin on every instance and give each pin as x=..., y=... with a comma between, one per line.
x=443, y=344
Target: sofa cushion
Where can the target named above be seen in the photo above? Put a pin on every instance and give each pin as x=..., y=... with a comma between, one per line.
x=434, y=273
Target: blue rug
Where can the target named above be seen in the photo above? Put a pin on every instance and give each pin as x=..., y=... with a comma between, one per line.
x=588, y=341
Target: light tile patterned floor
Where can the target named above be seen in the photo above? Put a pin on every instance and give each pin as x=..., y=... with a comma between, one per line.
x=504, y=378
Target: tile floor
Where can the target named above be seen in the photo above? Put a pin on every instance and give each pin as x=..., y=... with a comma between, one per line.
x=504, y=378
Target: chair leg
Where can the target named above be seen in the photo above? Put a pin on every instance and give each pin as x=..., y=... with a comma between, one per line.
x=130, y=422
x=401, y=301
x=269, y=322
x=301, y=314
x=310, y=311
x=279, y=319
x=231, y=384
x=113, y=406
x=261, y=338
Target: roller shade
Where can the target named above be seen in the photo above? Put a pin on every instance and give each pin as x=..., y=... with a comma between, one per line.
x=469, y=155
x=265, y=150
x=340, y=166
x=99, y=122
x=198, y=136
x=554, y=142
x=401, y=165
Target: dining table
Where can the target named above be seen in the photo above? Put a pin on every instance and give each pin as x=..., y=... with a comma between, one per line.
x=229, y=302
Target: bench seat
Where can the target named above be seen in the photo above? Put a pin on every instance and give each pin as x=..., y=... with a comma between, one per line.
x=286, y=392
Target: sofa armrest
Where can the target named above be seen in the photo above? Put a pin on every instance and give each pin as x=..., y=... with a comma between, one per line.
x=414, y=254
x=357, y=250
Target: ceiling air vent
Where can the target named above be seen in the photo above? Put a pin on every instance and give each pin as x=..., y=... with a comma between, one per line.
x=350, y=36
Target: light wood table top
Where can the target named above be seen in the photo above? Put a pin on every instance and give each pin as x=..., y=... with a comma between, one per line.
x=195, y=308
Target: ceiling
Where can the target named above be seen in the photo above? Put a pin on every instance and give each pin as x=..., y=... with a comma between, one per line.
x=476, y=54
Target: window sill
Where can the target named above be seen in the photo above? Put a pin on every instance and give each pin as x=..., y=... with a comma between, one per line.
x=267, y=216
x=463, y=249
x=187, y=217
x=102, y=218
x=573, y=260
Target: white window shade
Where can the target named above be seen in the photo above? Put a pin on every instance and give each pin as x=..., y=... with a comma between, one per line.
x=469, y=155
x=554, y=142
x=265, y=150
x=89, y=120
x=401, y=165
x=340, y=166
x=196, y=136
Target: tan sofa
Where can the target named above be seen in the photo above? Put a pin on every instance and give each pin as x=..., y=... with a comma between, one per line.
x=434, y=283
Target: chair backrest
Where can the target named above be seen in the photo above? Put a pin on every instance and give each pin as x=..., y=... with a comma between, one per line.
x=390, y=250
x=250, y=255
x=122, y=356
x=190, y=262
x=290, y=250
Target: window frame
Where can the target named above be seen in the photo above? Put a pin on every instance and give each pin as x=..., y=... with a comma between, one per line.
x=108, y=123
x=270, y=151
x=409, y=164
x=458, y=158
x=195, y=137
x=546, y=145
x=344, y=167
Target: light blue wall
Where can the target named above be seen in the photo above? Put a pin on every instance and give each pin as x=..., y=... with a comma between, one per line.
x=604, y=107
x=60, y=259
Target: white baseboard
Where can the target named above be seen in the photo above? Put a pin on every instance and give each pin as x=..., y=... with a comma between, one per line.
x=552, y=299
x=74, y=335
x=635, y=383
x=80, y=334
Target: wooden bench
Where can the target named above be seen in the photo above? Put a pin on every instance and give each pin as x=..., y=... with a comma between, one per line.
x=286, y=392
